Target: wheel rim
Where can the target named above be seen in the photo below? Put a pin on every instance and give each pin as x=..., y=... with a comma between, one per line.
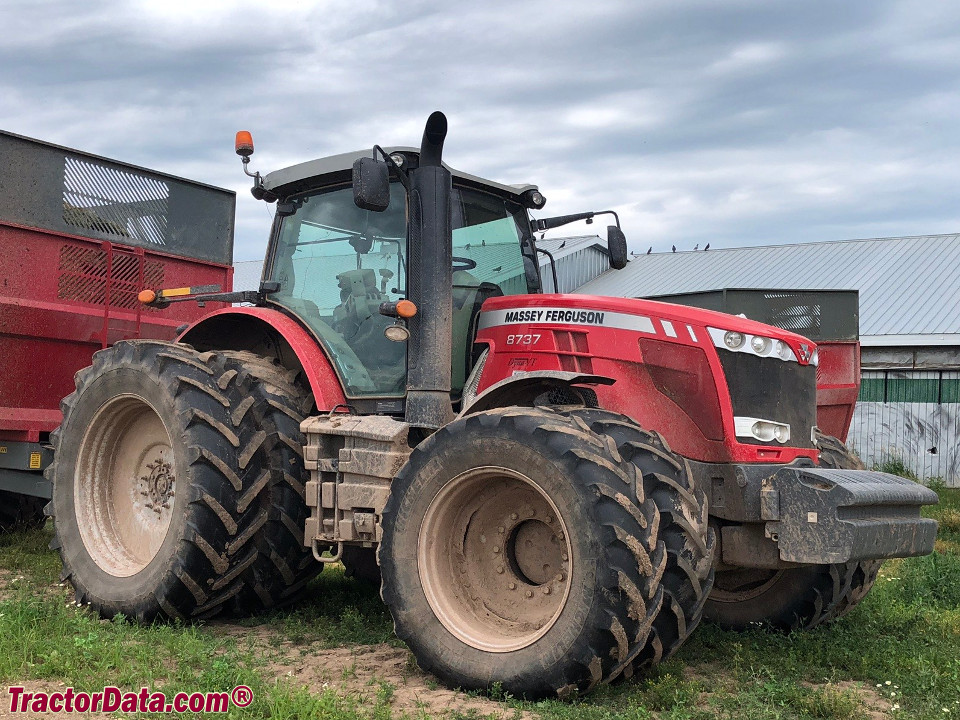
x=494, y=557
x=733, y=586
x=125, y=486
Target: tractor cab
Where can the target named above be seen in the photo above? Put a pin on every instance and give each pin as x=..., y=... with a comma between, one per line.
x=333, y=264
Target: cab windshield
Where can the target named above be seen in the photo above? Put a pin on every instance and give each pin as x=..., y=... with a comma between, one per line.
x=336, y=263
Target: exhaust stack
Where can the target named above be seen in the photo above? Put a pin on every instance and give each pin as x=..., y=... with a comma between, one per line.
x=430, y=283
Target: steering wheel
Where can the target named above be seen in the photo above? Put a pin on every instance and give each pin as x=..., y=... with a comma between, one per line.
x=462, y=263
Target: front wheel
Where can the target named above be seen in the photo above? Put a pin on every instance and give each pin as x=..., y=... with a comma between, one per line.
x=517, y=551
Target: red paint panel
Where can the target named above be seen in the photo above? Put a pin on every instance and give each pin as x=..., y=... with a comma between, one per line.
x=62, y=298
x=838, y=385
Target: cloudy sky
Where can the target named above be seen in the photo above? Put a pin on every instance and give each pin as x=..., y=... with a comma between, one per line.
x=736, y=123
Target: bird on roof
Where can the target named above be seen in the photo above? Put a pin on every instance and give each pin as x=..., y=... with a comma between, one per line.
x=561, y=245
x=707, y=246
x=649, y=249
x=673, y=247
x=498, y=268
x=697, y=246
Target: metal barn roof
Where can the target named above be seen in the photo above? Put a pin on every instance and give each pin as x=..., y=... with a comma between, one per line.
x=909, y=286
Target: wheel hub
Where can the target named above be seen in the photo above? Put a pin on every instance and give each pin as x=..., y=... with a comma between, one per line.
x=157, y=486
x=494, y=559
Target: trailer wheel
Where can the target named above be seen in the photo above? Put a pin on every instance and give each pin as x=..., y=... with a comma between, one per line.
x=797, y=598
x=20, y=512
x=151, y=482
x=684, y=515
x=517, y=551
x=284, y=565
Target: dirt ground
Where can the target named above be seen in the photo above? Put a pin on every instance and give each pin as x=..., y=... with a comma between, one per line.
x=367, y=670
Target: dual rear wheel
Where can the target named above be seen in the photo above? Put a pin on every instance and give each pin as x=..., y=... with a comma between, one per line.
x=178, y=483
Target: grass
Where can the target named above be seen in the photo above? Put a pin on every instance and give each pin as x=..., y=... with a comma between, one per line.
x=897, y=655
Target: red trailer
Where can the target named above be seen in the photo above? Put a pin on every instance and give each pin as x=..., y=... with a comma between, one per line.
x=80, y=236
x=831, y=318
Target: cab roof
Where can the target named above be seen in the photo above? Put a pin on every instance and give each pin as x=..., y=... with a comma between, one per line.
x=339, y=168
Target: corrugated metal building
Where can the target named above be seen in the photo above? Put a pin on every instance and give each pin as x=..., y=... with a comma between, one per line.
x=909, y=328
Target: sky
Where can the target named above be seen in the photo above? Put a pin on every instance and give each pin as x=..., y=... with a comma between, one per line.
x=733, y=123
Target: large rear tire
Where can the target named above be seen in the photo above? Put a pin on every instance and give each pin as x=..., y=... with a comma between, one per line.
x=517, y=551
x=152, y=503
x=284, y=565
x=20, y=512
x=796, y=598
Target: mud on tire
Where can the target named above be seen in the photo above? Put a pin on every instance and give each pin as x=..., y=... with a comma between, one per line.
x=283, y=565
x=517, y=551
x=684, y=528
x=153, y=499
x=797, y=598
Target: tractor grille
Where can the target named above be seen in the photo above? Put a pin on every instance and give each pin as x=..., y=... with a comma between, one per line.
x=771, y=389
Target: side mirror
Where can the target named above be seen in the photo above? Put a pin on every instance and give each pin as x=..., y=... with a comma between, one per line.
x=371, y=184
x=616, y=247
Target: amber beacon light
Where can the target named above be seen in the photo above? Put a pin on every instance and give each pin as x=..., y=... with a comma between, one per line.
x=244, y=143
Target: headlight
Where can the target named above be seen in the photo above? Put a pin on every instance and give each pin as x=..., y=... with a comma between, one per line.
x=733, y=340
x=760, y=429
x=741, y=342
x=760, y=345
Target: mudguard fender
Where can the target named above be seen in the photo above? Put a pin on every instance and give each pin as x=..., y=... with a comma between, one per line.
x=521, y=388
x=243, y=328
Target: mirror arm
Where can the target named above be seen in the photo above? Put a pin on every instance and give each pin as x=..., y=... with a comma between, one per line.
x=553, y=268
x=404, y=178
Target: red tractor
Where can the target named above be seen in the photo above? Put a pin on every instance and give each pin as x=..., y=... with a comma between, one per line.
x=556, y=488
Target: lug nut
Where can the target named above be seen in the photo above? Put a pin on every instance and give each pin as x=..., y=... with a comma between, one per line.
x=512, y=586
x=500, y=569
x=513, y=516
x=546, y=589
x=549, y=519
x=561, y=577
x=529, y=593
x=496, y=549
x=501, y=529
x=564, y=557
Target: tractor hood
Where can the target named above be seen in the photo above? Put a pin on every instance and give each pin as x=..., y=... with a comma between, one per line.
x=648, y=317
